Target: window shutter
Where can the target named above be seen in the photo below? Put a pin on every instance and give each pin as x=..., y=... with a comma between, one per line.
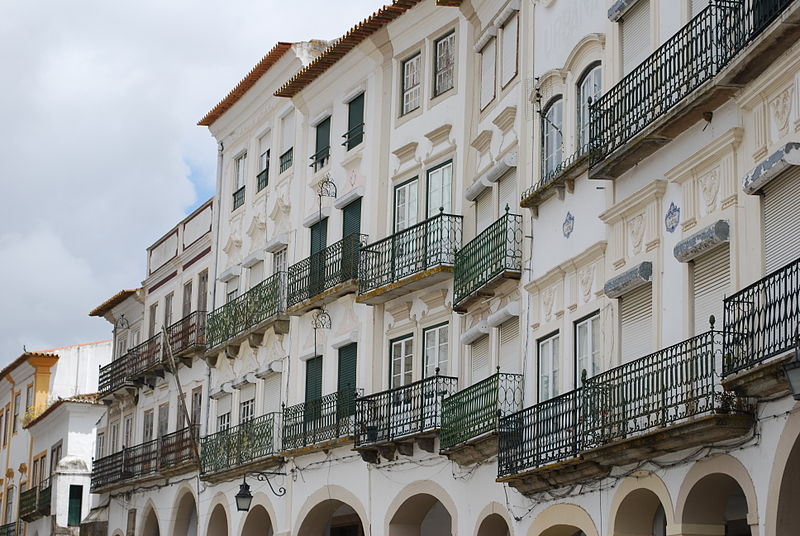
x=319, y=236
x=287, y=131
x=314, y=378
x=323, y=134
x=696, y=6
x=635, y=34
x=781, y=205
x=509, y=346
x=508, y=195
x=488, y=60
x=351, y=216
x=484, y=211
x=347, y=367
x=247, y=392
x=272, y=393
x=509, y=50
x=480, y=359
x=223, y=405
x=636, y=313
x=711, y=284
x=355, y=121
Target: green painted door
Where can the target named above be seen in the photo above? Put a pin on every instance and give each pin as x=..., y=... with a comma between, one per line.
x=319, y=238
x=351, y=215
x=75, y=505
x=313, y=409
x=346, y=381
x=355, y=122
x=323, y=143
x=351, y=227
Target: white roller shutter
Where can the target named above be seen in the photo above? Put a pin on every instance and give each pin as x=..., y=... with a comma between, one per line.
x=488, y=60
x=636, y=323
x=287, y=132
x=509, y=346
x=696, y=6
x=223, y=405
x=781, y=206
x=272, y=393
x=635, y=32
x=508, y=195
x=480, y=359
x=484, y=211
x=509, y=51
x=711, y=285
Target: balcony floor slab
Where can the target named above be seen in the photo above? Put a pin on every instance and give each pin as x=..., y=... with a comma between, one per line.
x=487, y=290
x=323, y=298
x=555, y=475
x=473, y=451
x=765, y=380
x=261, y=464
x=408, y=284
x=317, y=447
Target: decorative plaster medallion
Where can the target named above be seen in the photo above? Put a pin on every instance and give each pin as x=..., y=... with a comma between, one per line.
x=585, y=279
x=709, y=185
x=636, y=229
x=781, y=106
x=672, y=218
x=547, y=301
x=231, y=248
x=569, y=225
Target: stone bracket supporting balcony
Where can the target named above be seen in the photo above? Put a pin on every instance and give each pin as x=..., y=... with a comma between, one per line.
x=558, y=182
x=324, y=298
x=408, y=284
x=473, y=451
x=765, y=381
x=555, y=475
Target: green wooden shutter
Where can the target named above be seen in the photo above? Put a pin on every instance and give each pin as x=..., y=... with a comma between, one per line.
x=319, y=236
x=347, y=367
x=323, y=134
x=75, y=504
x=355, y=122
x=314, y=378
x=352, y=218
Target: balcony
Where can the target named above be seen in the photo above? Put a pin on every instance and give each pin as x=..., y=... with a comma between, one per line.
x=761, y=329
x=187, y=336
x=324, y=276
x=238, y=198
x=318, y=423
x=177, y=451
x=665, y=402
x=561, y=178
x=262, y=179
x=250, y=315
x=45, y=497
x=487, y=261
x=695, y=71
x=286, y=160
x=392, y=421
x=411, y=259
x=249, y=446
x=320, y=159
x=353, y=137
x=470, y=417
x=9, y=529
x=113, y=377
x=27, y=505
x=146, y=361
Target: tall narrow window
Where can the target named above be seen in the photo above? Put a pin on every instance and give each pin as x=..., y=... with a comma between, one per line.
x=197, y=405
x=411, y=84
x=17, y=404
x=402, y=356
x=240, y=169
x=127, y=432
x=100, y=447
x=163, y=420
x=231, y=290
x=436, y=341
x=279, y=261
x=186, y=307
x=405, y=205
x=256, y=273
x=552, y=137
x=549, y=355
x=439, y=188
x=10, y=493
x=323, y=144
x=587, y=348
x=479, y=355
x=314, y=378
x=287, y=141
x=29, y=398
x=588, y=92
x=55, y=457
x=153, y=319
x=351, y=218
x=264, y=143
x=147, y=426
x=444, y=65
x=114, y=437
x=355, y=122
x=247, y=403
x=202, y=291
x=488, y=62
x=509, y=35
x=636, y=323
x=223, y=413
x=75, y=505
x=635, y=34
x=168, y=309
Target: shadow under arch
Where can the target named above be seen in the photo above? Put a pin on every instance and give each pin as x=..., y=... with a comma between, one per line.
x=641, y=505
x=185, y=522
x=218, y=520
x=150, y=525
x=563, y=520
x=333, y=509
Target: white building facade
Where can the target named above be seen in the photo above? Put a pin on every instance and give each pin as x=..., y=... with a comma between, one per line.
x=493, y=267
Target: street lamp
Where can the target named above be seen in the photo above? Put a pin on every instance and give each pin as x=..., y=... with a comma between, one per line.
x=792, y=369
x=244, y=498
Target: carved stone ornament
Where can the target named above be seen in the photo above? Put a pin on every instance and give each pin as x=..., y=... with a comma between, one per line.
x=585, y=280
x=548, y=296
x=569, y=225
x=672, y=218
x=232, y=248
x=781, y=106
x=709, y=185
x=636, y=230
x=280, y=214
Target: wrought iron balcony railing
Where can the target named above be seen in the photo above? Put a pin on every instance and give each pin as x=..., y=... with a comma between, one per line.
x=262, y=179
x=262, y=302
x=286, y=160
x=144, y=357
x=545, y=433
x=320, y=159
x=476, y=410
x=496, y=250
x=573, y=161
x=27, y=504
x=334, y=265
x=248, y=442
x=141, y=460
x=238, y=198
x=320, y=420
x=428, y=244
x=113, y=376
x=9, y=529
x=45, y=497
x=404, y=411
x=178, y=448
x=187, y=333
x=108, y=470
x=763, y=319
x=354, y=136
x=694, y=54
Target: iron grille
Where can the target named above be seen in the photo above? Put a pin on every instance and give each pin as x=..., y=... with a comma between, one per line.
x=178, y=447
x=114, y=375
x=107, y=470
x=320, y=159
x=242, y=444
x=27, y=504
x=354, y=136
x=144, y=357
x=286, y=160
x=238, y=198
x=43, y=502
x=572, y=161
x=262, y=179
x=319, y=420
x=189, y=332
x=403, y=411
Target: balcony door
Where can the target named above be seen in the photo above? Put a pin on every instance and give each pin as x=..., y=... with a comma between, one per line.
x=346, y=381
x=437, y=234
x=313, y=408
x=405, y=216
x=319, y=241
x=351, y=228
x=404, y=403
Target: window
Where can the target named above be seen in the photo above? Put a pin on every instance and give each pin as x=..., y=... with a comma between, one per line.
x=202, y=291
x=314, y=378
x=588, y=92
x=55, y=457
x=411, y=84
x=17, y=404
x=635, y=315
x=3, y=428
x=322, y=144
x=439, y=185
x=405, y=205
x=231, y=290
x=509, y=346
x=101, y=445
x=151, y=328
x=402, y=356
x=134, y=339
x=287, y=141
x=587, y=348
x=127, y=432
x=552, y=136
x=436, y=350
x=264, y=143
x=75, y=505
x=6, y=425
x=488, y=68
x=635, y=34
x=479, y=355
x=163, y=420
x=509, y=37
x=351, y=218
x=168, y=309
x=10, y=492
x=549, y=354
x=114, y=437
x=355, y=122
x=279, y=261
x=29, y=398
x=444, y=64
x=147, y=426
x=186, y=308
x=240, y=169
x=197, y=405
x=223, y=413
x=122, y=345
x=710, y=284
x=256, y=273
x=247, y=404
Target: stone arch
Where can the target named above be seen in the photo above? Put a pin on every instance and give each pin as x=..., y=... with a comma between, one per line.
x=587, y=51
x=637, y=502
x=494, y=510
x=257, y=522
x=260, y=501
x=149, y=522
x=326, y=503
x=421, y=508
x=218, y=517
x=715, y=488
x=784, y=481
x=551, y=521
x=185, y=518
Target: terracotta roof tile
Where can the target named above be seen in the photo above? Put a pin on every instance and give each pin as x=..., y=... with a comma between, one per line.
x=112, y=302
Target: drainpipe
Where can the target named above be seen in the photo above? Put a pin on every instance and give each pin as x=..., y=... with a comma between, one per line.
x=213, y=280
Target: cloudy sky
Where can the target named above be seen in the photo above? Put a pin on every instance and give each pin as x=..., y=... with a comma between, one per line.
x=100, y=153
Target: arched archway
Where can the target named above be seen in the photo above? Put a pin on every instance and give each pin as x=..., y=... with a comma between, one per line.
x=257, y=522
x=331, y=517
x=563, y=520
x=218, y=522
x=185, y=515
x=421, y=515
x=640, y=512
x=717, y=502
x=788, y=514
x=150, y=523
x=494, y=525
